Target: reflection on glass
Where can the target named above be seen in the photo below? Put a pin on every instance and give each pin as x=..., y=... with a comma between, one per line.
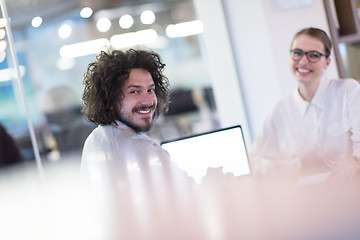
x=45, y=69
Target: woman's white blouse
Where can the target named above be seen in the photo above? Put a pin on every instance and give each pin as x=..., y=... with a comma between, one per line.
x=328, y=126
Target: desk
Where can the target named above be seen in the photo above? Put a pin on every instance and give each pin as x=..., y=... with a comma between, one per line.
x=227, y=207
x=263, y=208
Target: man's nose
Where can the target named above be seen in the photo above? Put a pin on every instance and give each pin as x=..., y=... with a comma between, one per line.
x=147, y=98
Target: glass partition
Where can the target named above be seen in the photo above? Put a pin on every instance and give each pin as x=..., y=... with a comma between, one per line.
x=18, y=135
x=54, y=47
x=53, y=42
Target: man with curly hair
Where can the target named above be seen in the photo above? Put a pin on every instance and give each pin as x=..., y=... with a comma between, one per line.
x=124, y=93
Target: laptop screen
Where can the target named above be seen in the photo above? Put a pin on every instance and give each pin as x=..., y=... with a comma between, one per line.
x=221, y=148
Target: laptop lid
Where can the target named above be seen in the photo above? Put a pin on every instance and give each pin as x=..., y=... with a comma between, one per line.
x=220, y=148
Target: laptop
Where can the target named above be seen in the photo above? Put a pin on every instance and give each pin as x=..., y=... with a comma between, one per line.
x=220, y=148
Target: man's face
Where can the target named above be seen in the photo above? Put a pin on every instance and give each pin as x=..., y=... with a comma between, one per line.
x=139, y=102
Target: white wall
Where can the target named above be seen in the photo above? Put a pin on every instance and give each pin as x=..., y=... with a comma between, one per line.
x=260, y=41
x=254, y=56
x=221, y=65
x=282, y=25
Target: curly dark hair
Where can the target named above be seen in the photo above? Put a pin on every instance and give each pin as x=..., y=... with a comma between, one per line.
x=106, y=76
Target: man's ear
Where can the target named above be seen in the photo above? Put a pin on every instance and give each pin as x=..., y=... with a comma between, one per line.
x=112, y=111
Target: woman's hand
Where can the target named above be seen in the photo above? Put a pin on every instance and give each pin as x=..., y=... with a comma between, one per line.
x=345, y=170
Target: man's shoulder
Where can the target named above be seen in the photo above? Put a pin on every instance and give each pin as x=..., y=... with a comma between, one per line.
x=120, y=141
x=111, y=130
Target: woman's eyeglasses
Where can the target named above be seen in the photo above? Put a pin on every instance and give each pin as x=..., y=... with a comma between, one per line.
x=312, y=56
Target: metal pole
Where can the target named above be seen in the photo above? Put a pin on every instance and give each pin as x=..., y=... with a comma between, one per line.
x=21, y=87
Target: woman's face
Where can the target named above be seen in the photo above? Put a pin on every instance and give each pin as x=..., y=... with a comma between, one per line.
x=307, y=72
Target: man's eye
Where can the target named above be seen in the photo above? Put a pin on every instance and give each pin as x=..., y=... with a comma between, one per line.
x=151, y=90
x=134, y=92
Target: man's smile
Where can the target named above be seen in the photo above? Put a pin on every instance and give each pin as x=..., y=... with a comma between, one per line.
x=144, y=110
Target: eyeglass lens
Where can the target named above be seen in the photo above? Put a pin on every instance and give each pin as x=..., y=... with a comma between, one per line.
x=312, y=56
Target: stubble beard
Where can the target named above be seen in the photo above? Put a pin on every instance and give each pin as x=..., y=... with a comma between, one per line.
x=132, y=124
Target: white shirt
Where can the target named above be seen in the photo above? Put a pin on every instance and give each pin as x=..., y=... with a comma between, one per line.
x=119, y=148
x=328, y=126
x=134, y=186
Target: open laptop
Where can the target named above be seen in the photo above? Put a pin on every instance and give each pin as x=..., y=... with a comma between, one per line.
x=220, y=148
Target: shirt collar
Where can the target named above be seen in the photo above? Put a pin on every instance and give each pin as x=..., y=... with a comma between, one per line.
x=123, y=126
x=318, y=99
x=300, y=102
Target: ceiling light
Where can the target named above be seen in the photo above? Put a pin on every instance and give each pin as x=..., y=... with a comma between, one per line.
x=2, y=56
x=36, y=22
x=84, y=48
x=86, y=12
x=2, y=33
x=134, y=38
x=147, y=17
x=2, y=22
x=146, y=36
x=103, y=24
x=65, y=31
x=3, y=45
x=9, y=73
x=184, y=29
x=126, y=21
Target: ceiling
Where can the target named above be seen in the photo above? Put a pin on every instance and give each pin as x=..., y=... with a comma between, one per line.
x=22, y=11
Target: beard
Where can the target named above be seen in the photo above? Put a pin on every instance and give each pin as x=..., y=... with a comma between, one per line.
x=130, y=122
